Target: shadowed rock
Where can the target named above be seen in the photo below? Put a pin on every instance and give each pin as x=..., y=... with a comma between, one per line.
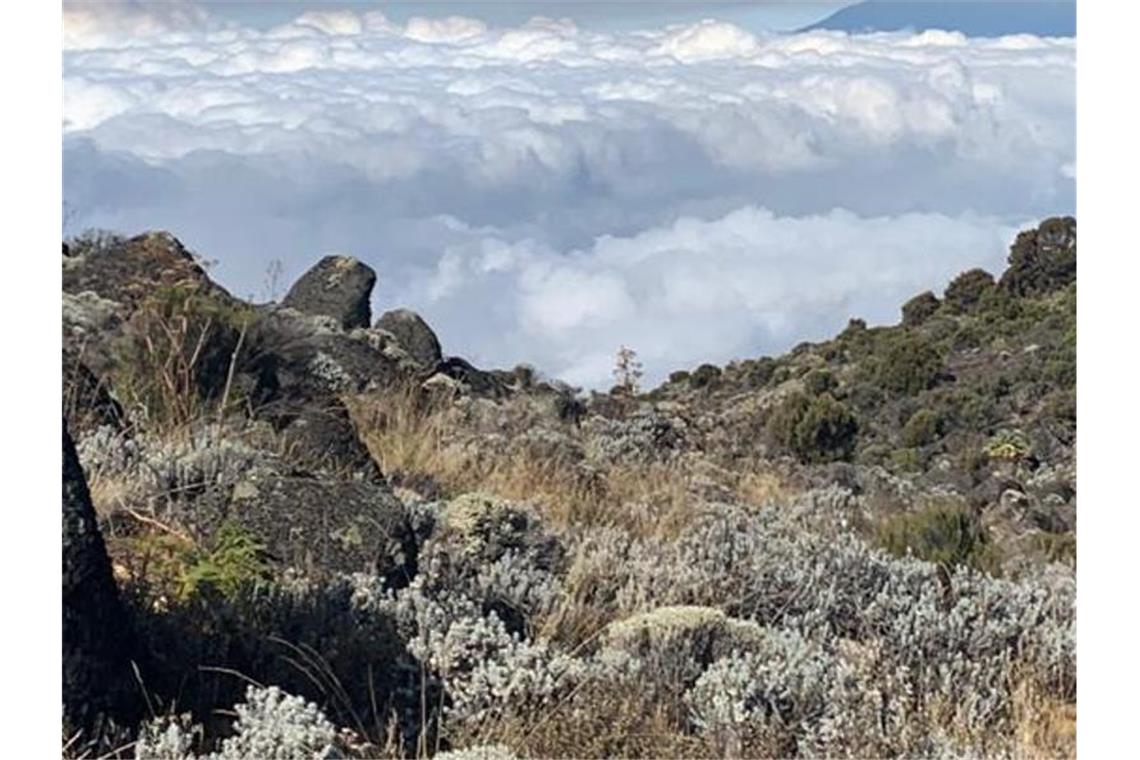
x=338, y=287
x=414, y=335
x=96, y=637
x=321, y=438
x=323, y=527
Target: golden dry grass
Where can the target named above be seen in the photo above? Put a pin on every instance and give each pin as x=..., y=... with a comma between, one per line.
x=409, y=436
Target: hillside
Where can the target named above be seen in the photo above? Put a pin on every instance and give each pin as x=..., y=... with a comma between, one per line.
x=1045, y=18
x=864, y=547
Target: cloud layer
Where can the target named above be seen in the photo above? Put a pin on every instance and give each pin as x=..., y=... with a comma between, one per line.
x=544, y=193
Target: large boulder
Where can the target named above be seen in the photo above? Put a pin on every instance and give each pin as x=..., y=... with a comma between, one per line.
x=129, y=271
x=324, y=527
x=1044, y=259
x=304, y=357
x=339, y=287
x=414, y=334
x=96, y=638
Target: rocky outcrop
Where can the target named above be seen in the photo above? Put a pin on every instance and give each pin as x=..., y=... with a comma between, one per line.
x=306, y=357
x=96, y=640
x=476, y=381
x=338, y=287
x=132, y=270
x=414, y=334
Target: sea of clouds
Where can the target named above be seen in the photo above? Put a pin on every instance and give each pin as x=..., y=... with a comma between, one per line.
x=546, y=193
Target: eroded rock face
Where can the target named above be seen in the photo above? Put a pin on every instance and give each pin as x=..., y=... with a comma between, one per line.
x=414, y=335
x=96, y=640
x=338, y=287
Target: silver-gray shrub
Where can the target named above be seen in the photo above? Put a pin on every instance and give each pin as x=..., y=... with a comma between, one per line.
x=170, y=469
x=273, y=724
x=787, y=695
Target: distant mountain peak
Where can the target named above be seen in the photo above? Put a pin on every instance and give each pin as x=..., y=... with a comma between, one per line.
x=1044, y=18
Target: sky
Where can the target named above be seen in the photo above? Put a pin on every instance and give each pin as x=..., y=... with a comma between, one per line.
x=685, y=179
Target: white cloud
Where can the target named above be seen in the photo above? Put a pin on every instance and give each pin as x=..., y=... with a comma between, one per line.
x=545, y=192
x=747, y=283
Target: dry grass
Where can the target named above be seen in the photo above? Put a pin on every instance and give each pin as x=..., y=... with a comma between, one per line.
x=599, y=720
x=411, y=437
x=1044, y=725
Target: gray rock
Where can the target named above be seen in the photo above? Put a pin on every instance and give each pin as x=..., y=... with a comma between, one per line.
x=414, y=335
x=323, y=527
x=96, y=638
x=306, y=357
x=337, y=287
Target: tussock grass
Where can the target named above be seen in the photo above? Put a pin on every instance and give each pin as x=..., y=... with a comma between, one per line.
x=413, y=435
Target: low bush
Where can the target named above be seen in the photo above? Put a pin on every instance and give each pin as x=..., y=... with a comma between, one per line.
x=818, y=429
x=819, y=381
x=948, y=536
x=919, y=309
x=906, y=365
x=966, y=291
x=705, y=376
x=923, y=428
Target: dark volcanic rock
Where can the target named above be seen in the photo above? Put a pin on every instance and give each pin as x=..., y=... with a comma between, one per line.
x=328, y=526
x=414, y=335
x=305, y=357
x=1044, y=259
x=96, y=641
x=477, y=381
x=321, y=438
x=337, y=287
x=131, y=270
x=87, y=400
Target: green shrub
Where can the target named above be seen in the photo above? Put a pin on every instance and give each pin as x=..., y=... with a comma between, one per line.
x=907, y=460
x=819, y=381
x=705, y=376
x=678, y=377
x=945, y=535
x=919, y=309
x=907, y=365
x=818, y=429
x=235, y=562
x=924, y=427
x=757, y=372
x=966, y=291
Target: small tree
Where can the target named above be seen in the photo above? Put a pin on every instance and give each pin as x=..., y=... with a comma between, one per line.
x=627, y=371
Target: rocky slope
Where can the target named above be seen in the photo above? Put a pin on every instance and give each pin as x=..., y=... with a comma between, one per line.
x=868, y=542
